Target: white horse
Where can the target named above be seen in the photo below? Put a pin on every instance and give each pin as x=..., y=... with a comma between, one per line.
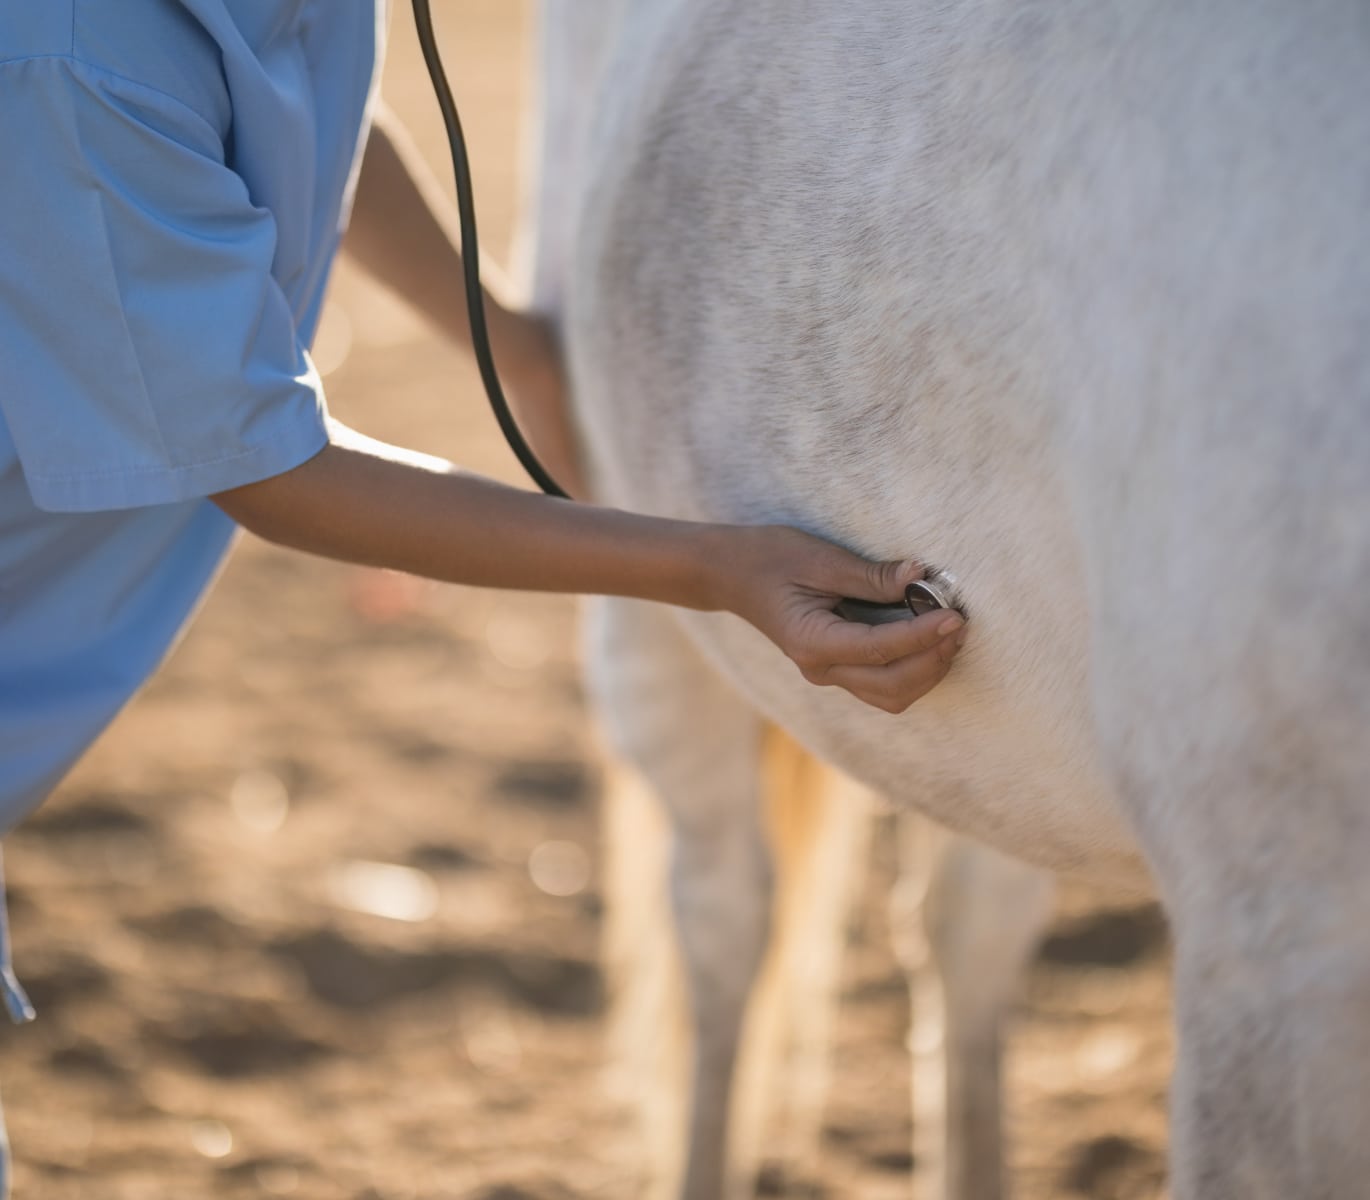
x=1073, y=300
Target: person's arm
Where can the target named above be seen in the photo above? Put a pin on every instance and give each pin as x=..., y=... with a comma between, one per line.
x=362, y=501
x=403, y=232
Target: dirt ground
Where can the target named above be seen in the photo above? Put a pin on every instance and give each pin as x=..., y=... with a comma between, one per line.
x=198, y=913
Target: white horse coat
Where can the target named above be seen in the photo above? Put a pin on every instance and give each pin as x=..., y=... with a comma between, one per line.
x=1073, y=300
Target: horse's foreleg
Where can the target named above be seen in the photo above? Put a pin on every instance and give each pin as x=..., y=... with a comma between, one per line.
x=698, y=744
x=982, y=915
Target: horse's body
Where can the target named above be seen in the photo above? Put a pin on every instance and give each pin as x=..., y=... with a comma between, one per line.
x=1073, y=300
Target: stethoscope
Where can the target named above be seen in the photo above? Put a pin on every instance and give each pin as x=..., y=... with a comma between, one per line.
x=470, y=258
x=936, y=591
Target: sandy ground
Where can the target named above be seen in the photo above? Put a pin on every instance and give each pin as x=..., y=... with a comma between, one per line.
x=221, y=1015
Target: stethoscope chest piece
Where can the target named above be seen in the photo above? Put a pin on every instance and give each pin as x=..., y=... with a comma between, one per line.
x=936, y=590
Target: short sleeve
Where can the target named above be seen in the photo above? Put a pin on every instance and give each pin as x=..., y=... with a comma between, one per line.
x=147, y=353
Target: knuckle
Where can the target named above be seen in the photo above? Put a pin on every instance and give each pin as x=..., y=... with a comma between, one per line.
x=878, y=576
x=876, y=654
x=882, y=698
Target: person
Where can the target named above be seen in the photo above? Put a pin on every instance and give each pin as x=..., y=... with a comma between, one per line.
x=178, y=176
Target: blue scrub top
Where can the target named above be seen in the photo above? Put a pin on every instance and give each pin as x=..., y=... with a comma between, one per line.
x=174, y=179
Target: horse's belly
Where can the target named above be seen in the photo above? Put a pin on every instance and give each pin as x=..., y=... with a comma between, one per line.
x=977, y=754
x=939, y=281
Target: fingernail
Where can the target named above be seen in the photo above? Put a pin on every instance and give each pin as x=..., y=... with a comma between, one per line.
x=950, y=625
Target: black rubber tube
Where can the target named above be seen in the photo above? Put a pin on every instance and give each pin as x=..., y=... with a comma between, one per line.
x=470, y=257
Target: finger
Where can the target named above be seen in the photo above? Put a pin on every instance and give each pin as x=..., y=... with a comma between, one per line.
x=836, y=642
x=896, y=686
x=847, y=574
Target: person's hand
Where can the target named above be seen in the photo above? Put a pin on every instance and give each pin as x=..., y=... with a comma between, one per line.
x=787, y=584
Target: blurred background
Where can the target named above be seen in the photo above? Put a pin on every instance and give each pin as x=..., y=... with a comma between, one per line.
x=319, y=917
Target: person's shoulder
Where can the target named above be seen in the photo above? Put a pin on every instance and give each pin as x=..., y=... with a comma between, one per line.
x=35, y=29
x=168, y=52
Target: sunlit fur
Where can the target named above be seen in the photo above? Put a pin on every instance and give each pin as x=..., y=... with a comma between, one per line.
x=1070, y=298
